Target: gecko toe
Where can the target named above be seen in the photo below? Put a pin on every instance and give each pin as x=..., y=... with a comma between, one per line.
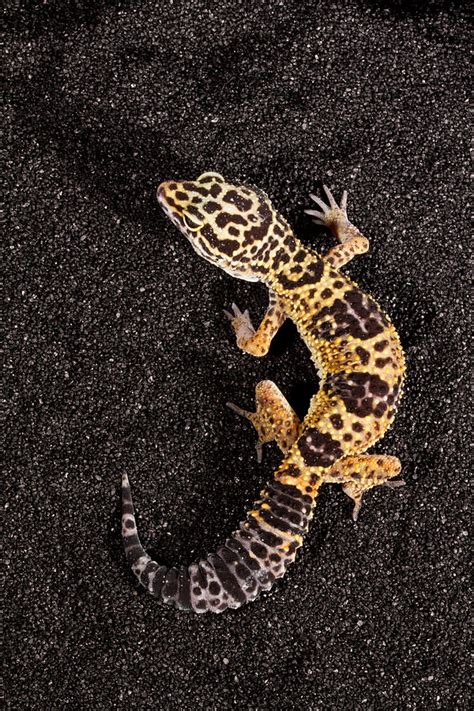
x=395, y=484
x=315, y=213
x=330, y=196
x=237, y=409
x=356, y=510
x=319, y=202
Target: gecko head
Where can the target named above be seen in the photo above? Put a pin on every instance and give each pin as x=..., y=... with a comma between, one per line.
x=232, y=226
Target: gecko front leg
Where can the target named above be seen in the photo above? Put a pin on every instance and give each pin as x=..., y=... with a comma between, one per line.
x=351, y=241
x=257, y=342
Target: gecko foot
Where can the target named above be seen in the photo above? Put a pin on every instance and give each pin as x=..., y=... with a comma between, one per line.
x=331, y=215
x=360, y=472
x=357, y=496
x=251, y=417
x=241, y=324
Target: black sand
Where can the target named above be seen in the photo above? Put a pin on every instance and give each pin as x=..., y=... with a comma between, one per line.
x=121, y=357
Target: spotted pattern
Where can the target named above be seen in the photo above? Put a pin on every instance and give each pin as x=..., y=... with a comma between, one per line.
x=354, y=314
x=319, y=449
x=360, y=361
x=363, y=393
x=299, y=277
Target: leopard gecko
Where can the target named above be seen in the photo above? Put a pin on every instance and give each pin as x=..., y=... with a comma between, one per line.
x=360, y=361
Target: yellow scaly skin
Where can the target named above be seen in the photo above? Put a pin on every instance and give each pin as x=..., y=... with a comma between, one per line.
x=359, y=358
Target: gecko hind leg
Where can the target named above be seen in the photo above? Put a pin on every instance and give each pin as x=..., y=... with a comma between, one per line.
x=274, y=418
x=362, y=472
x=257, y=342
x=351, y=241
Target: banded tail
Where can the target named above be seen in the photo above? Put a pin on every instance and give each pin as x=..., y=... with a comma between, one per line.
x=254, y=556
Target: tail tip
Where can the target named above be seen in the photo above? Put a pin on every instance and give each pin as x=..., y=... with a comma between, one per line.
x=125, y=482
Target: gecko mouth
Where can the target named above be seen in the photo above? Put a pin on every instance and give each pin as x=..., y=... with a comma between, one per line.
x=167, y=207
x=161, y=195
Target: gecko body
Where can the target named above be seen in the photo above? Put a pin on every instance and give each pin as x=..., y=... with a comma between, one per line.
x=359, y=358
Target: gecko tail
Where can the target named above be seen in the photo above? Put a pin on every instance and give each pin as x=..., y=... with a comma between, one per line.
x=251, y=560
x=160, y=581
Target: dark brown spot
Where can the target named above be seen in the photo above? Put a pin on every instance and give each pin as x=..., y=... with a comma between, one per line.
x=243, y=204
x=242, y=571
x=215, y=190
x=281, y=257
x=214, y=588
x=363, y=355
x=258, y=550
x=336, y=421
x=224, y=218
x=380, y=409
x=378, y=386
x=258, y=232
x=193, y=188
x=211, y=207
x=291, y=470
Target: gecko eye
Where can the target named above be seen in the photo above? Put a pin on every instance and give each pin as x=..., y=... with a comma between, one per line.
x=207, y=177
x=192, y=223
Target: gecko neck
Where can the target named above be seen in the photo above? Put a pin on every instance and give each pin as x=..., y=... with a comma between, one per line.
x=292, y=266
